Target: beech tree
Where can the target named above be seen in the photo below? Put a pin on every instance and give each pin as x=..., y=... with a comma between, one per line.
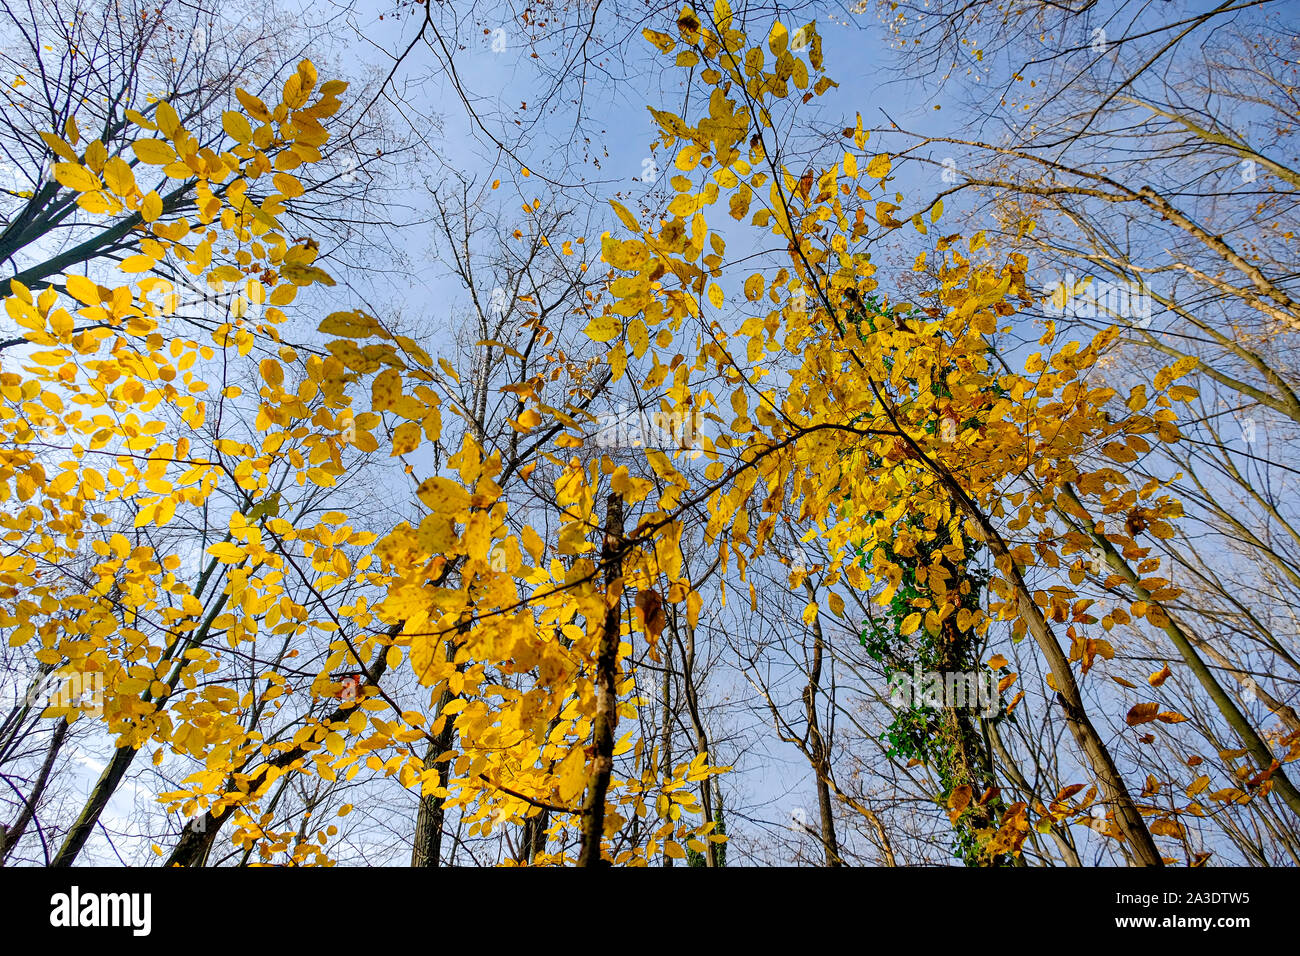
x=305, y=576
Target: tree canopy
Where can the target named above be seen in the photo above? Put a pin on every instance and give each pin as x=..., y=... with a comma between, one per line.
x=328, y=575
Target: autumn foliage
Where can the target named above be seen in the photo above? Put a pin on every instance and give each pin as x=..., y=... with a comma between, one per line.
x=171, y=526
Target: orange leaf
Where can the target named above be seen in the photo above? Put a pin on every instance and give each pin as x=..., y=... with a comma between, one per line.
x=1142, y=714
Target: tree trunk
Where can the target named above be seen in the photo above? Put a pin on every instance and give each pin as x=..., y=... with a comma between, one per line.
x=818, y=752
x=666, y=745
x=970, y=763
x=1127, y=818
x=10, y=836
x=198, y=837
x=697, y=724
x=426, y=849
x=102, y=792
x=1255, y=744
x=593, y=825
x=1131, y=825
x=111, y=778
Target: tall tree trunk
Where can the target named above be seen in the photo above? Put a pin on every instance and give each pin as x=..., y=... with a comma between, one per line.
x=818, y=753
x=1061, y=838
x=593, y=825
x=100, y=794
x=970, y=763
x=1238, y=721
x=111, y=778
x=199, y=836
x=666, y=737
x=9, y=836
x=697, y=724
x=1127, y=818
x=426, y=848
x=534, y=836
x=533, y=832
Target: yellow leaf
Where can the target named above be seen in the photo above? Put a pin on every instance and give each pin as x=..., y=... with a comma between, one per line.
x=910, y=623
x=663, y=41
x=82, y=289
x=256, y=108
x=307, y=70
x=95, y=202
x=60, y=148
x=739, y=202
x=283, y=294
x=137, y=263
x=334, y=743
x=118, y=176
x=722, y=16
x=443, y=496
x=167, y=119
x=226, y=552
x=617, y=359
x=624, y=216
x=152, y=207
x=446, y=367
x=385, y=389
x=638, y=337
x=165, y=511
x=287, y=185
x=236, y=126
x=75, y=176
x=533, y=543
x=879, y=166
x=155, y=152
x=272, y=373
x=406, y=438
x=778, y=39
x=572, y=774
x=603, y=328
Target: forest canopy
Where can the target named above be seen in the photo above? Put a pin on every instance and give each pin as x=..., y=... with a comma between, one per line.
x=871, y=453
